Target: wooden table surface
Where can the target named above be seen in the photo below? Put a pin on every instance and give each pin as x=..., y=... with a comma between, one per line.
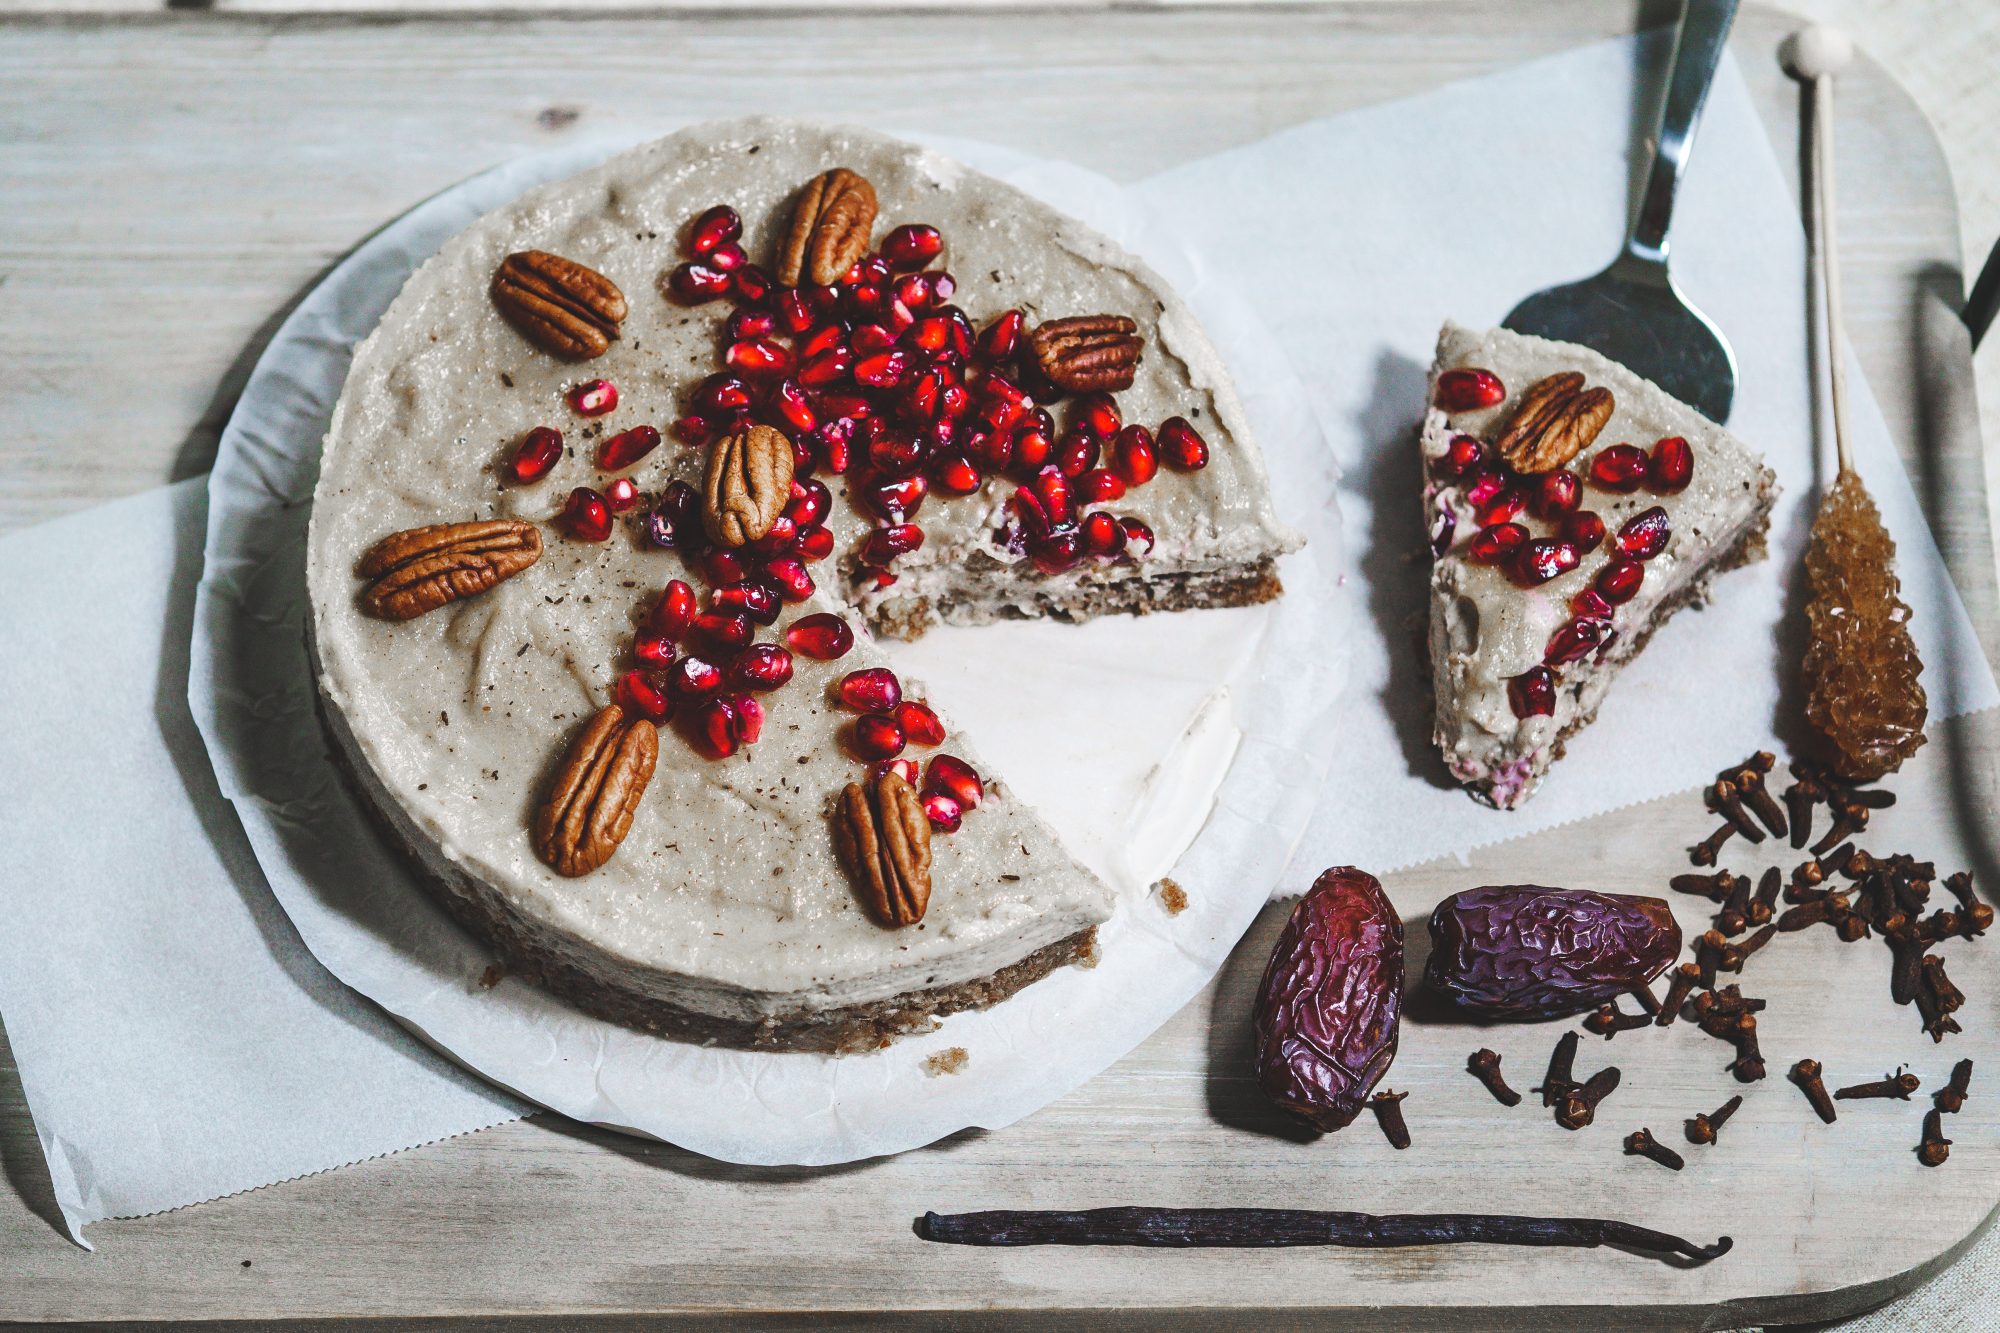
x=175, y=183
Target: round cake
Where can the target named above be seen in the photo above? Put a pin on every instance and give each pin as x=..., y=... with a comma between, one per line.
x=619, y=493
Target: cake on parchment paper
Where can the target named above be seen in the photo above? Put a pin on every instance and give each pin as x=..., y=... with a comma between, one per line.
x=502, y=615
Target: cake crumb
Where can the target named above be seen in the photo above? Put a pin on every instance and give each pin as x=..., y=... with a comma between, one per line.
x=1172, y=897
x=948, y=1061
x=491, y=976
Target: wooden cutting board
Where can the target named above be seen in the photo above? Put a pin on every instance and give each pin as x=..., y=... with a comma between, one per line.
x=176, y=183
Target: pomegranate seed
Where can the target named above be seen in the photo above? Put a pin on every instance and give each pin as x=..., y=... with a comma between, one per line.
x=942, y=286
x=747, y=598
x=1588, y=605
x=691, y=677
x=1052, y=489
x=1644, y=535
x=1099, y=486
x=809, y=503
x=1468, y=389
x=885, y=544
x=713, y=728
x=878, y=736
x=895, y=452
x=1506, y=502
x=753, y=284
x=653, y=649
x=1134, y=456
x=956, y=779
x=637, y=693
x=720, y=397
x=1101, y=535
x=712, y=228
x=593, y=398
x=587, y=515
x=882, y=370
x=914, y=293
x=1556, y=494
x=1574, y=641
x=763, y=666
x=822, y=635
x=659, y=528
x=728, y=257
x=989, y=450
x=748, y=323
x=897, y=500
x=1671, y=466
x=1000, y=338
x=1138, y=537
x=795, y=313
x=1057, y=552
x=756, y=357
x=1532, y=693
x=1032, y=448
x=621, y=495
x=749, y=717
x=790, y=578
x=627, y=447
x=1619, y=468
x=1077, y=452
x=724, y=630
x=870, y=690
x=1097, y=413
x=1496, y=543
x=920, y=724
x=778, y=539
x=931, y=333
x=906, y=769
x=720, y=566
x=881, y=578
x=692, y=429
x=1181, y=444
x=1583, y=530
x=911, y=246
x=788, y=400
x=697, y=284
x=1479, y=492
x=815, y=543
x=538, y=452
x=675, y=610
x=1543, y=559
x=1618, y=582
x=1459, y=456
x=834, y=443
x=944, y=813
x=954, y=476
x=870, y=339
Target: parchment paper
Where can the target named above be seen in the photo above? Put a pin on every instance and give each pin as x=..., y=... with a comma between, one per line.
x=358, y=908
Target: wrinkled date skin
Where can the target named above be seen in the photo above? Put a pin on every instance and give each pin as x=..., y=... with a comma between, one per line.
x=1524, y=951
x=1330, y=1000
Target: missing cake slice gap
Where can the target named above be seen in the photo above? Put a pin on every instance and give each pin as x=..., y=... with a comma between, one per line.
x=1572, y=507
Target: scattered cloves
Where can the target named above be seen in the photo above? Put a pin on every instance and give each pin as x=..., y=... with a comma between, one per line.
x=1609, y=1020
x=1716, y=887
x=1935, y=1147
x=1724, y=799
x=1704, y=1128
x=1974, y=915
x=1561, y=1075
x=1578, y=1106
x=1641, y=1143
x=1800, y=798
x=1898, y=1085
x=1388, y=1108
x=1748, y=1066
x=1807, y=1074
x=1484, y=1065
x=1704, y=852
x=1750, y=786
x=1765, y=903
x=1951, y=1097
x=1906, y=948
x=1678, y=987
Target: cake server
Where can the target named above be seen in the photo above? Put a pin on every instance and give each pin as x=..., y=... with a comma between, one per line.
x=1632, y=312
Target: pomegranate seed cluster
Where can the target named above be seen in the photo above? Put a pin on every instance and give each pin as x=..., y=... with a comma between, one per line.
x=1505, y=502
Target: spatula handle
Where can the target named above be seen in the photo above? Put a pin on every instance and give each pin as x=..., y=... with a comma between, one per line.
x=1697, y=53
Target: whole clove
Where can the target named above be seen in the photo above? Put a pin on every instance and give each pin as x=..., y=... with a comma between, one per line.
x=1808, y=1075
x=1935, y=1147
x=1748, y=1066
x=1937, y=998
x=1729, y=1001
x=1704, y=1128
x=1974, y=915
x=1609, y=1020
x=1734, y=918
x=1641, y=1143
x=1899, y=1086
x=1561, y=1075
x=1848, y=819
x=1765, y=903
x=1800, y=798
x=1724, y=799
x=1484, y=1065
x=1388, y=1108
x=1750, y=787
x=1647, y=1000
x=1716, y=887
x=1678, y=987
x=1906, y=948
x=1704, y=852
x=1273, y=1227
x=1733, y=960
x=1578, y=1106
x=1951, y=1097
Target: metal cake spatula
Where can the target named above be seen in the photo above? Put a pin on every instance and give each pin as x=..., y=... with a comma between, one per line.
x=1632, y=312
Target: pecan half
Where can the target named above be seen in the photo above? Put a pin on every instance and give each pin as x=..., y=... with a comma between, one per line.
x=746, y=487
x=421, y=569
x=884, y=839
x=1556, y=419
x=558, y=305
x=830, y=229
x=588, y=811
x=1088, y=353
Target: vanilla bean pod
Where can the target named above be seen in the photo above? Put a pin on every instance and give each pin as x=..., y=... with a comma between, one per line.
x=1238, y=1228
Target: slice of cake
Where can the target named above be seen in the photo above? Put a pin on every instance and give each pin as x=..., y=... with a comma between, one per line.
x=1572, y=507
x=612, y=497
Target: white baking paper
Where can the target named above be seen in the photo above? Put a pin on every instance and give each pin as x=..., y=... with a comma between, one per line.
x=1356, y=237
x=175, y=1040
x=363, y=915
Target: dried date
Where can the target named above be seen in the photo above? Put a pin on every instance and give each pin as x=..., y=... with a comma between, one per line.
x=1528, y=952
x=1332, y=995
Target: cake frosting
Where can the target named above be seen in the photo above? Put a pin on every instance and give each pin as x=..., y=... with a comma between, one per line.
x=725, y=913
